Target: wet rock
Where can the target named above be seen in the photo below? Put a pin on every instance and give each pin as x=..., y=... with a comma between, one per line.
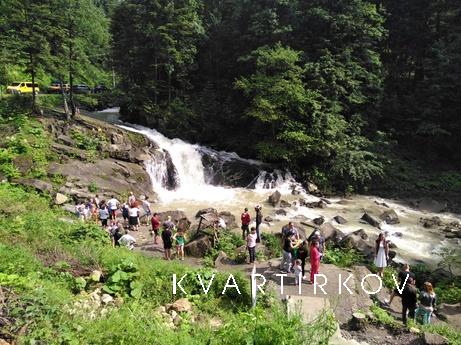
x=430, y=205
x=177, y=216
x=340, y=220
x=371, y=220
x=274, y=199
x=326, y=201
x=431, y=222
x=182, y=305
x=330, y=233
x=206, y=210
x=284, y=204
x=229, y=219
x=397, y=234
x=268, y=219
x=434, y=339
x=295, y=191
x=281, y=212
x=312, y=204
x=381, y=204
x=319, y=220
x=60, y=199
x=359, y=240
x=312, y=188
x=390, y=217
x=198, y=247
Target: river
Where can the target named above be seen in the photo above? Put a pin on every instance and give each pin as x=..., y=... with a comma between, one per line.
x=194, y=192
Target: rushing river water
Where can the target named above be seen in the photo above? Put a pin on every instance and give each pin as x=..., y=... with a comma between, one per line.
x=194, y=192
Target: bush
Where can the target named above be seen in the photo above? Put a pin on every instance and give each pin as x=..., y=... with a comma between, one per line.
x=343, y=257
x=273, y=245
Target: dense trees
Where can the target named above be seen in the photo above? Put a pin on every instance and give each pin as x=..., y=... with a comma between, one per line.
x=313, y=85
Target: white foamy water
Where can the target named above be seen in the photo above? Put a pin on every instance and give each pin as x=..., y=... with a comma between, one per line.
x=416, y=243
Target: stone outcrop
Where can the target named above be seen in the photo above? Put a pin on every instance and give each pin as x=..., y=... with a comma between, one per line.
x=178, y=217
x=330, y=233
x=340, y=219
x=371, y=220
x=390, y=217
x=198, y=247
x=274, y=198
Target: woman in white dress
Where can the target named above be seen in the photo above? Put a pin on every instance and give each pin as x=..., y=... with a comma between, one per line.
x=381, y=253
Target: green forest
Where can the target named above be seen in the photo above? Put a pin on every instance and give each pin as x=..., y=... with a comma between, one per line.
x=354, y=95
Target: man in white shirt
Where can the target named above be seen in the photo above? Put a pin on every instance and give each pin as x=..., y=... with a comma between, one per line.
x=147, y=209
x=127, y=241
x=113, y=205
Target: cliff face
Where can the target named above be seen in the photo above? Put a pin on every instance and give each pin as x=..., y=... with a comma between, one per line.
x=93, y=157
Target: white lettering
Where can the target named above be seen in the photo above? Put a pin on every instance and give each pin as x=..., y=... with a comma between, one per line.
x=320, y=286
x=300, y=280
x=397, y=284
x=178, y=284
x=281, y=275
x=234, y=285
x=203, y=285
x=340, y=285
x=258, y=286
x=371, y=292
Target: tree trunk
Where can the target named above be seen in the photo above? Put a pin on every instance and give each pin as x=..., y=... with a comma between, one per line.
x=64, y=100
x=358, y=321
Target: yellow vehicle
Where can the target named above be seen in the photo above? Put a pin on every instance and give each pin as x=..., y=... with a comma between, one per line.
x=22, y=87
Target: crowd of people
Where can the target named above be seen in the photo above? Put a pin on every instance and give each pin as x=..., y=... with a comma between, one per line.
x=295, y=251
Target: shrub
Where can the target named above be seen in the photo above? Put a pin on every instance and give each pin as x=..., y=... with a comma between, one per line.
x=273, y=245
x=342, y=257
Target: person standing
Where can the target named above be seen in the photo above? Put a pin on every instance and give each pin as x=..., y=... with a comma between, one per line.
x=246, y=219
x=132, y=200
x=134, y=218
x=103, y=215
x=409, y=298
x=125, y=214
x=303, y=254
x=251, y=244
x=147, y=209
x=317, y=236
x=286, y=251
x=427, y=303
x=403, y=274
x=115, y=234
x=315, y=260
x=259, y=220
x=180, y=239
x=155, y=221
x=297, y=270
x=381, y=254
x=167, y=235
x=113, y=205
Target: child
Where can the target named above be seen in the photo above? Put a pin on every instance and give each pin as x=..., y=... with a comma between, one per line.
x=251, y=244
x=180, y=240
x=297, y=268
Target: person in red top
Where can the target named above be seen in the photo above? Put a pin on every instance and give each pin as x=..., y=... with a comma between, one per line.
x=155, y=227
x=245, y=217
x=315, y=260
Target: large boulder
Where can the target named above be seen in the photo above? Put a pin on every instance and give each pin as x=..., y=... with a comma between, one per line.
x=359, y=240
x=206, y=210
x=312, y=204
x=274, y=198
x=284, y=204
x=181, y=305
x=60, y=199
x=430, y=205
x=451, y=313
x=330, y=233
x=319, y=220
x=431, y=222
x=434, y=339
x=390, y=217
x=41, y=186
x=281, y=212
x=312, y=188
x=229, y=218
x=221, y=260
x=371, y=220
x=198, y=247
x=177, y=216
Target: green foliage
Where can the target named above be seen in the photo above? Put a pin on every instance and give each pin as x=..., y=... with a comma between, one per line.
x=453, y=335
x=86, y=232
x=343, y=257
x=273, y=245
x=123, y=280
x=383, y=317
x=92, y=187
x=448, y=293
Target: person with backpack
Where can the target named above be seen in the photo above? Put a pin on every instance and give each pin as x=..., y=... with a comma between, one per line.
x=246, y=219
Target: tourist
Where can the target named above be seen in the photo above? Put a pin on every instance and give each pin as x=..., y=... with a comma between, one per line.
x=317, y=236
x=115, y=232
x=79, y=210
x=403, y=274
x=134, y=217
x=286, y=251
x=94, y=210
x=147, y=209
x=315, y=260
x=427, y=302
x=113, y=205
x=155, y=221
x=167, y=241
x=96, y=200
x=168, y=224
x=259, y=220
x=289, y=230
x=303, y=253
x=298, y=271
x=103, y=215
x=381, y=254
x=246, y=219
x=251, y=244
x=127, y=241
x=132, y=200
x=409, y=298
x=180, y=241
x=125, y=214
x=87, y=210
